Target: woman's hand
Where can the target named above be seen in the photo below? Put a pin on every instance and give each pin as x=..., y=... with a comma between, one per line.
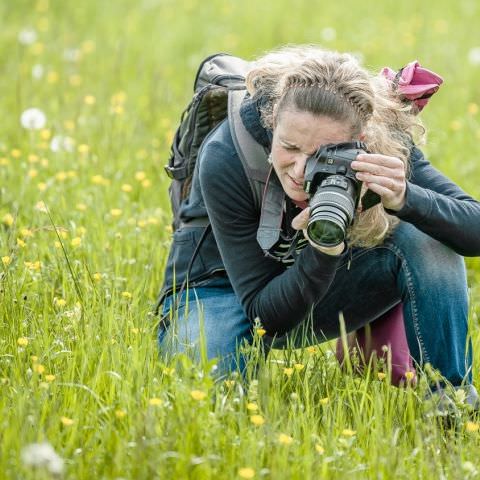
x=300, y=222
x=383, y=175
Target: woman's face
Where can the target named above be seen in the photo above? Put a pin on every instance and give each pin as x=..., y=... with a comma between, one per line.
x=296, y=136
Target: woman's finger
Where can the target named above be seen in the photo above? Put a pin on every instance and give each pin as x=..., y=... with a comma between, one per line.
x=300, y=222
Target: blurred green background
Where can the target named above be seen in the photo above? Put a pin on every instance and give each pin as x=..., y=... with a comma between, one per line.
x=112, y=78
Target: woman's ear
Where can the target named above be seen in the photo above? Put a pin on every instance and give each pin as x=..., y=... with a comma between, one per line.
x=362, y=137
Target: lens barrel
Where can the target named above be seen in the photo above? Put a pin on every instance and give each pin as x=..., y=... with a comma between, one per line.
x=331, y=211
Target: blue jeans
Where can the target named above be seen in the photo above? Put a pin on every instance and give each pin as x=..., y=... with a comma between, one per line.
x=410, y=267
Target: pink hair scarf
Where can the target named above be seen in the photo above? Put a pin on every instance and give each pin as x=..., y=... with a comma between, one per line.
x=414, y=83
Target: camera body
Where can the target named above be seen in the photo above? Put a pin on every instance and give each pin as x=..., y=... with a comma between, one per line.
x=334, y=192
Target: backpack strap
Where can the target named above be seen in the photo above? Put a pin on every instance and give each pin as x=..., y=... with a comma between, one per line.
x=267, y=192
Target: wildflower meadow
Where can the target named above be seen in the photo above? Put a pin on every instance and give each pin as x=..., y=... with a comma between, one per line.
x=90, y=95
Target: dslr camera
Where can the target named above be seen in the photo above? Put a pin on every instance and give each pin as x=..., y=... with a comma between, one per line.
x=334, y=192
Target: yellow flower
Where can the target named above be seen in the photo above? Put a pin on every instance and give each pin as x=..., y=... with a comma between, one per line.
x=88, y=46
x=409, y=376
x=83, y=148
x=21, y=243
x=472, y=108
x=33, y=265
x=89, y=100
x=261, y=332
x=68, y=422
x=75, y=80
x=198, y=394
x=456, y=125
x=168, y=371
x=381, y=375
x=348, y=433
x=42, y=186
x=257, y=420
x=135, y=331
x=155, y=402
x=8, y=219
x=32, y=173
x=77, y=241
x=126, y=295
x=69, y=125
x=288, y=371
x=319, y=449
x=253, y=407
x=229, y=383
x=246, y=472
x=22, y=341
x=140, y=176
x=100, y=180
x=61, y=176
x=81, y=206
x=324, y=401
x=472, y=427
x=26, y=232
x=34, y=358
x=59, y=302
x=97, y=276
x=39, y=368
x=45, y=134
x=57, y=244
x=50, y=377
x=146, y=183
x=127, y=188
x=285, y=439
x=16, y=153
x=120, y=413
x=4, y=161
x=52, y=77
x=6, y=260
x=299, y=366
x=41, y=207
x=312, y=349
x=115, y=212
x=33, y=158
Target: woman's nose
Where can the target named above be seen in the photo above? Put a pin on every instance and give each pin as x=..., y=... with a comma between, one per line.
x=299, y=167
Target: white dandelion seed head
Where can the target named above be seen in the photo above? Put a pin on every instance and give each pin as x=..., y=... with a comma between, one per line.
x=38, y=71
x=358, y=56
x=71, y=54
x=27, y=36
x=474, y=56
x=328, y=34
x=33, y=119
x=43, y=455
x=59, y=143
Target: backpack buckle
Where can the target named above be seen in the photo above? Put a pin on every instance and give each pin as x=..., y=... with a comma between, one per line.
x=176, y=173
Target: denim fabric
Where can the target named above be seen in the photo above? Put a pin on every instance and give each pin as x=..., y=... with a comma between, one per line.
x=410, y=267
x=213, y=311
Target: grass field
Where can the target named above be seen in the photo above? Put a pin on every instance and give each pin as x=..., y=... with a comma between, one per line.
x=84, y=233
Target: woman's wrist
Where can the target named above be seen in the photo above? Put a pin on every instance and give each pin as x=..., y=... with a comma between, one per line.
x=333, y=251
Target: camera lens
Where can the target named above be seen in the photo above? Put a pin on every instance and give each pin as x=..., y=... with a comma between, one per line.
x=331, y=211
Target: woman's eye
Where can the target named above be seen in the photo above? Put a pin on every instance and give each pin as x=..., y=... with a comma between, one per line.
x=290, y=149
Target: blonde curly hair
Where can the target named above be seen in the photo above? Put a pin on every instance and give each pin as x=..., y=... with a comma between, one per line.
x=332, y=84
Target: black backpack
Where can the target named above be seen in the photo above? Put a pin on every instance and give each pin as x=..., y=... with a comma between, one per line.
x=219, y=88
